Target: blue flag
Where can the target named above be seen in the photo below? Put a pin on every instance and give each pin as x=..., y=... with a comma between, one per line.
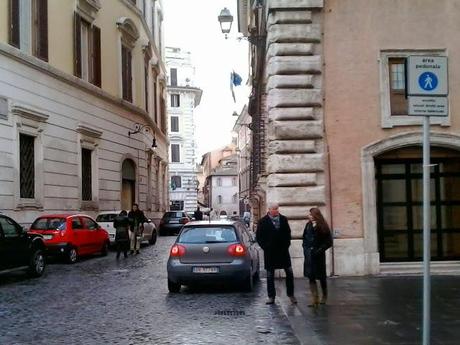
x=236, y=78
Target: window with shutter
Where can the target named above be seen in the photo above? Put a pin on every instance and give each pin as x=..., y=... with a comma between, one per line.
x=77, y=45
x=175, y=153
x=126, y=73
x=175, y=100
x=14, y=23
x=154, y=90
x=174, y=124
x=173, y=76
x=97, y=70
x=398, y=100
x=176, y=182
x=40, y=29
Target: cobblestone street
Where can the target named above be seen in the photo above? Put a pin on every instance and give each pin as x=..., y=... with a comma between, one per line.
x=105, y=301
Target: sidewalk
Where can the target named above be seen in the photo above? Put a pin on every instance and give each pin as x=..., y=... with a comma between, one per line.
x=374, y=311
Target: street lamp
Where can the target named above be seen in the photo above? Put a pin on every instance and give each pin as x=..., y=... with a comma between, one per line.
x=225, y=19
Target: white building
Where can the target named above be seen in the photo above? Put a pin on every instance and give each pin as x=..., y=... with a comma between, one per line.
x=183, y=98
x=81, y=106
x=224, y=187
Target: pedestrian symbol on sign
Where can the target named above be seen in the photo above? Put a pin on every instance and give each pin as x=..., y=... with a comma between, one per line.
x=428, y=81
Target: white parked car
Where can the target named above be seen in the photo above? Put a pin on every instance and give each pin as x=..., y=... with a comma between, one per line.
x=105, y=220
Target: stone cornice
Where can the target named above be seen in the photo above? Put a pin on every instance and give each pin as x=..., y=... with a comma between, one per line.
x=29, y=113
x=88, y=131
x=73, y=81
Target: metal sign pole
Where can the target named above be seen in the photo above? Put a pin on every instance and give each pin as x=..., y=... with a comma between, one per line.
x=426, y=231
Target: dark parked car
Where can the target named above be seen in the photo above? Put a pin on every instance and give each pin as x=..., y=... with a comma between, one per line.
x=20, y=250
x=219, y=251
x=172, y=222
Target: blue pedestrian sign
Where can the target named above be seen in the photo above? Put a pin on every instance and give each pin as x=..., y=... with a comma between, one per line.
x=427, y=76
x=428, y=81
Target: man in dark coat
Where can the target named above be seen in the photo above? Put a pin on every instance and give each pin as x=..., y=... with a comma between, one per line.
x=136, y=220
x=121, y=225
x=274, y=237
x=198, y=215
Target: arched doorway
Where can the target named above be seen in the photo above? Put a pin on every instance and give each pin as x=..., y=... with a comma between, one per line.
x=128, y=184
x=399, y=203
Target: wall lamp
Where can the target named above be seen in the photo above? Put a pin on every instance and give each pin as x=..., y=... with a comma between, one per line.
x=138, y=128
x=225, y=19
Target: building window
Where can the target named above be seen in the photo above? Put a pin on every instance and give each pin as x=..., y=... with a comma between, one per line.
x=153, y=22
x=146, y=79
x=176, y=182
x=27, y=166
x=174, y=123
x=219, y=199
x=154, y=100
x=40, y=29
x=14, y=23
x=398, y=100
x=173, y=76
x=219, y=181
x=86, y=178
x=175, y=153
x=87, y=51
x=175, y=100
x=126, y=73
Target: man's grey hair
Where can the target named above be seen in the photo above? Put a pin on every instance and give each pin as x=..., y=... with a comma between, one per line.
x=273, y=205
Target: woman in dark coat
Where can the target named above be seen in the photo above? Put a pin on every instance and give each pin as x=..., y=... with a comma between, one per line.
x=121, y=225
x=317, y=239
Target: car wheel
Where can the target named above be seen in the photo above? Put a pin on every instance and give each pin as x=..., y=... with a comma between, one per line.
x=173, y=287
x=248, y=283
x=105, y=249
x=37, y=264
x=153, y=239
x=72, y=255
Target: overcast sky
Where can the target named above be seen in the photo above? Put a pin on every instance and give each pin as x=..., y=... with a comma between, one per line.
x=192, y=25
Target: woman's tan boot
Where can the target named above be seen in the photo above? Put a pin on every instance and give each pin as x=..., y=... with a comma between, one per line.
x=314, y=294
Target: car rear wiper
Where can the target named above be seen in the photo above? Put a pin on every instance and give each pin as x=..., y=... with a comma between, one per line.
x=216, y=241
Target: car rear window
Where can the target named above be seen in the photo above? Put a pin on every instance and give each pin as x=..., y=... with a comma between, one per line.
x=49, y=224
x=174, y=215
x=106, y=217
x=202, y=234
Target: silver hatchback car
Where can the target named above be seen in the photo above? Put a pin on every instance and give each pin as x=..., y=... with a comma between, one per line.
x=220, y=251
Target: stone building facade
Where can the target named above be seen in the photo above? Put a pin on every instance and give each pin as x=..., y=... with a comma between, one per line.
x=328, y=104
x=183, y=98
x=83, y=118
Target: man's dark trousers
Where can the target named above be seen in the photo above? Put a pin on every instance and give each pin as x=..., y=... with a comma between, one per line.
x=271, y=291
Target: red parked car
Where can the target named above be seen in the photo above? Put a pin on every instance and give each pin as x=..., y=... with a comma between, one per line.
x=71, y=235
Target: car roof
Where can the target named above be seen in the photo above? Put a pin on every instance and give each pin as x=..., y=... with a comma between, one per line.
x=63, y=215
x=110, y=212
x=213, y=222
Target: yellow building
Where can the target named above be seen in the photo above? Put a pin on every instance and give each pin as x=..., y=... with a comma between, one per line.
x=82, y=110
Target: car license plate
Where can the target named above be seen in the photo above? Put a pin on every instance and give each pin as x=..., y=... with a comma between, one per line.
x=47, y=237
x=112, y=235
x=174, y=222
x=205, y=269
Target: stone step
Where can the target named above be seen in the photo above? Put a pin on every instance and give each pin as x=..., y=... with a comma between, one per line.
x=405, y=268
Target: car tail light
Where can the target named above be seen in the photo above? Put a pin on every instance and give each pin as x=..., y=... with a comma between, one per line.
x=184, y=220
x=62, y=233
x=177, y=251
x=237, y=250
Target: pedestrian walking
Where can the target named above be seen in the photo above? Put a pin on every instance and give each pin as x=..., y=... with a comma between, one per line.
x=317, y=238
x=121, y=225
x=213, y=214
x=137, y=220
x=274, y=236
x=198, y=215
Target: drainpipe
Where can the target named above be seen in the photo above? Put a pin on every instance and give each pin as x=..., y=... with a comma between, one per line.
x=331, y=218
